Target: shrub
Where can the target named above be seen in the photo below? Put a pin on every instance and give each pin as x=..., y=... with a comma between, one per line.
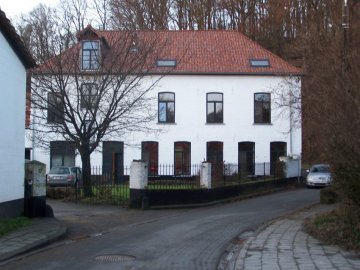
x=329, y=195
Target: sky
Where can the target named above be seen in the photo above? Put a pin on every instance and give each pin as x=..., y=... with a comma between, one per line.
x=14, y=8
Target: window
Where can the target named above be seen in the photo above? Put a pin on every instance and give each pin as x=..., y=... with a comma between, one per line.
x=259, y=63
x=62, y=153
x=55, y=109
x=88, y=96
x=262, y=108
x=166, y=63
x=182, y=158
x=166, y=107
x=90, y=55
x=246, y=158
x=214, y=107
x=150, y=154
x=28, y=153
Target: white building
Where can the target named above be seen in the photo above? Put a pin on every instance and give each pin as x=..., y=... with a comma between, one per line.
x=216, y=103
x=14, y=59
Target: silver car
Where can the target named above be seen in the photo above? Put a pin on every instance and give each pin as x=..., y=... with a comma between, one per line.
x=64, y=176
x=319, y=176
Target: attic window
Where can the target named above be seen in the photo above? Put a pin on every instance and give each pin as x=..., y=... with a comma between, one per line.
x=259, y=63
x=166, y=63
x=90, y=55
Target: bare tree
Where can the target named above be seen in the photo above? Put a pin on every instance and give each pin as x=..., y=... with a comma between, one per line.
x=287, y=98
x=73, y=102
x=37, y=30
x=103, y=12
x=143, y=15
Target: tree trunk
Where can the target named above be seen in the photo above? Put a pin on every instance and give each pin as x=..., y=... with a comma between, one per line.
x=86, y=172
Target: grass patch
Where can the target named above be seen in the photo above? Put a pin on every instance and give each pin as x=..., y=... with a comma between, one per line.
x=12, y=224
x=339, y=227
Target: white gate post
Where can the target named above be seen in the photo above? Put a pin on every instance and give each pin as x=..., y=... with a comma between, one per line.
x=205, y=175
x=138, y=174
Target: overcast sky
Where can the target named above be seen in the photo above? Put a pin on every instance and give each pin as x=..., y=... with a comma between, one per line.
x=14, y=8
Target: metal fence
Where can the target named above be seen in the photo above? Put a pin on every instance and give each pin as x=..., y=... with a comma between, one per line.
x=103, y=188
x=256, y=169
x=169, y=176
x=234, y=173
x=113, y=188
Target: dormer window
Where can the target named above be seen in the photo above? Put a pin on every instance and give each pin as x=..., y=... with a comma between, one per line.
x=90, y=55
x=166, y=63
x=259, y=63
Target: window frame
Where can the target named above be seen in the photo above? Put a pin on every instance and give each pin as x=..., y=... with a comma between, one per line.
x=167, y=116
x=262, y=120
x=92, y=51
x=214, y=121
x=54, y=108
x=85, y=102
x=259, y=63
x=166, y=63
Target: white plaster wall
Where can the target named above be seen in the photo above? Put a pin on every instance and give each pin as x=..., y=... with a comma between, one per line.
x=190, y=120
x=12, y=122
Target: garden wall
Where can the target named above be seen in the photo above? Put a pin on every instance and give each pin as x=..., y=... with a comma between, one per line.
x=157, y=198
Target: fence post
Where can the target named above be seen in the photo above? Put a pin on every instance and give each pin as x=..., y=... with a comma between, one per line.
x=138, y=174
x=264, y=169
x=205, y=175
x=138, y=183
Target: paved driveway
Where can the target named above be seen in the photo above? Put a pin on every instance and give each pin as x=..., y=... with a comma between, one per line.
x=158, y=239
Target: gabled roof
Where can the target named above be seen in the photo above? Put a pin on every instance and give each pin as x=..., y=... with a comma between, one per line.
x=192, y=51
x=15, y=41
x=213, y=52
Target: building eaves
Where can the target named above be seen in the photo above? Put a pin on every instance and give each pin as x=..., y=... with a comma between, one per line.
x=14, y=40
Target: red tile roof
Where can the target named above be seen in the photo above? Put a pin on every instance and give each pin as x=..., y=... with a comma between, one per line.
x=195, y=52
x=213, y=51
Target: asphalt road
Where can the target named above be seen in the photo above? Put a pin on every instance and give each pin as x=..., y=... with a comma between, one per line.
x=163, y=239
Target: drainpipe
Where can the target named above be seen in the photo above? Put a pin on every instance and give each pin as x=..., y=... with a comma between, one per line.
x=32, y=137
x=291, y=122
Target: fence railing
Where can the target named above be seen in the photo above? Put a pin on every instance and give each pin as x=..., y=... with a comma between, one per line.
x=113, y=187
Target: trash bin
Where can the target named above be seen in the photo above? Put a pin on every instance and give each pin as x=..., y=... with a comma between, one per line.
x=35, y=189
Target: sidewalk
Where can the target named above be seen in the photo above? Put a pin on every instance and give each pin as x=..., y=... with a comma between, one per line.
x=42, y=231
x=283, y=244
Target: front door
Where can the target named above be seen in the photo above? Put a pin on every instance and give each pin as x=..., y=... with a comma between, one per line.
x=246, y=159
x=214, y=155
x=277, y=149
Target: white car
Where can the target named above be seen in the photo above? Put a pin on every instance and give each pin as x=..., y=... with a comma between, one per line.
x=319, y=176
x=64, y=176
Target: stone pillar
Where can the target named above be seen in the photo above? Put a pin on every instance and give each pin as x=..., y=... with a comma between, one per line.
x=35, y=189
x=138, y=183
x=138, y=174
x=205, y=175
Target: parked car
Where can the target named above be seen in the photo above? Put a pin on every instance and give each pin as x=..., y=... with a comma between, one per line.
x=319, y=175
x=64, y=176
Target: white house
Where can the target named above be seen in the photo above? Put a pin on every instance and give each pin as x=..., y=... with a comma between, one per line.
x=215, y=103
x=14, y=59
